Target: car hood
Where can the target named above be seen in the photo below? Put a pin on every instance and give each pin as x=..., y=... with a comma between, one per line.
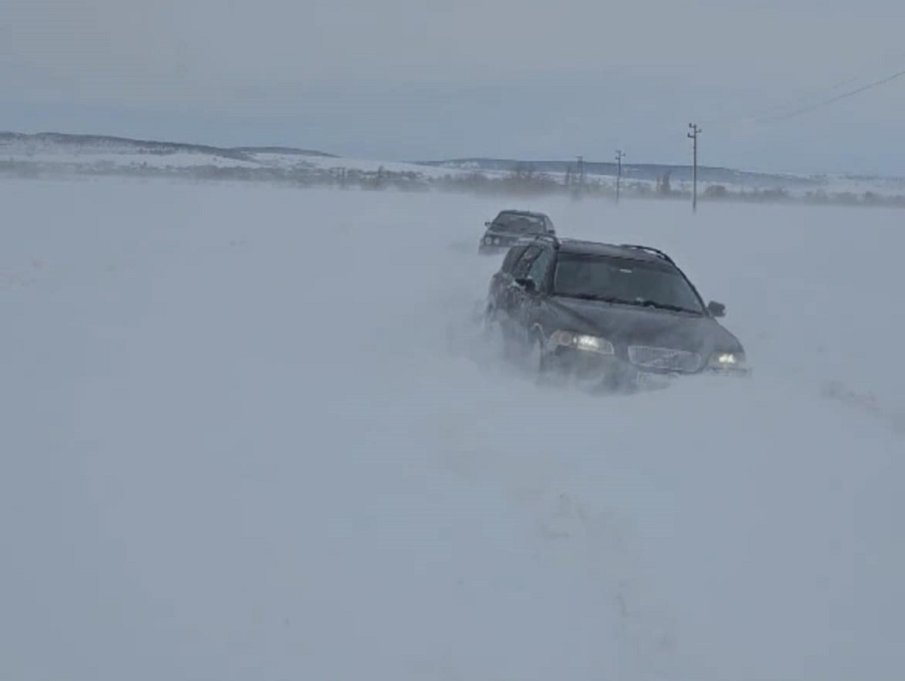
x=625, y=325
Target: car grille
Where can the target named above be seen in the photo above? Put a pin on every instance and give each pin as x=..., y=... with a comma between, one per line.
x=664, y=359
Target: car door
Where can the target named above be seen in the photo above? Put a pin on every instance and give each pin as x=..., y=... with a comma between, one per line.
x=530, y=300
x=511, y=296
x=501, y=280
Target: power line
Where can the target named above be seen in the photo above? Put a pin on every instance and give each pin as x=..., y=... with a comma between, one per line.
x=779, y=109
x=777, y=113
x=832, y=100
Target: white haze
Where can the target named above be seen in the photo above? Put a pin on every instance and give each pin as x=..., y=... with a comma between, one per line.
x=253, y=433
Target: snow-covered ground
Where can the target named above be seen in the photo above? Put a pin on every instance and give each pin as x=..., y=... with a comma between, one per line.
x=253, y=433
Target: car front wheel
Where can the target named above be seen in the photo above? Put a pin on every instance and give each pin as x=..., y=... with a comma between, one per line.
x=538, y=359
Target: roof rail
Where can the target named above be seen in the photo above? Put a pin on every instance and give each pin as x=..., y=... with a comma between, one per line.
x=529, y=239
x=650, y=249
x=548, y=237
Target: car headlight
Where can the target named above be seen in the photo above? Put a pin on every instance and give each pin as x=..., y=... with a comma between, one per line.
x=727, y=360
x=496, y=241
x=581, y=341
x=487, y=241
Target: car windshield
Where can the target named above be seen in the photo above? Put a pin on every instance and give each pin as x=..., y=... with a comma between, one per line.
x=513, y=222
x=623, y=280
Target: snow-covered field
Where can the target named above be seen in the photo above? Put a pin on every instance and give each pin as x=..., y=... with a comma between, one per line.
x=251, y=433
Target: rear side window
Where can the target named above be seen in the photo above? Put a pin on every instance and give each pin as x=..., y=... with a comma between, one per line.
x=511, y=258
x=539, y=268
x=524, y=263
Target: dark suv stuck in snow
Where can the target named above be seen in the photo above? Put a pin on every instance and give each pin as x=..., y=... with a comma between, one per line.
x=511, y=225
x=617, y=316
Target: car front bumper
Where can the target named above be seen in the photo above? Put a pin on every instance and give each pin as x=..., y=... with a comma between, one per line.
x=613, y=373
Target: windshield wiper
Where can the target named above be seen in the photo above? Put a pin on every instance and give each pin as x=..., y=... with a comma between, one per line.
x=662, y=306
x=638, y=302
x=591, y=296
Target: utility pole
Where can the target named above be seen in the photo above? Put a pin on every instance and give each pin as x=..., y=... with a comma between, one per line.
x=619, y=156
x=693, y=135
x=580, y=175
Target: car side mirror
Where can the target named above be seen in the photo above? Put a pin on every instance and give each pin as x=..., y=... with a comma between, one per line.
x=716, y=309
x=487, y=224
x=527, y=284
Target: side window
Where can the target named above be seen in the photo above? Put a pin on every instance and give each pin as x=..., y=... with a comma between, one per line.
x=521, y=267
x=511, y=258
x=538, y=270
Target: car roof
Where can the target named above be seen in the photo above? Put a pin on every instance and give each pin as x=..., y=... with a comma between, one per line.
x=579, y=246
x=527, y=213
x=583, y=247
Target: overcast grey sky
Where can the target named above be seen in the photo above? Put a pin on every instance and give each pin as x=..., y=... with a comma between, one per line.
x=419, y=79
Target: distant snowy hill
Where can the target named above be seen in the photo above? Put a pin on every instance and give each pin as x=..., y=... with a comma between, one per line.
x=54, y=154
x=12, y=143
x=50, y=153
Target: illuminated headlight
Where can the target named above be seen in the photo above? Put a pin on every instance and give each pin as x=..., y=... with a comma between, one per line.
x=584, y=342
x=487, y=241
x=727, y=360
x=496, y=241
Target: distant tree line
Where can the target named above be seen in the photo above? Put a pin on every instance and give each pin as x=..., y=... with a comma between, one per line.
x=520, y=180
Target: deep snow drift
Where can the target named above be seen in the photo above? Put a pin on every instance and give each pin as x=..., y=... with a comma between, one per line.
x=252, y=433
